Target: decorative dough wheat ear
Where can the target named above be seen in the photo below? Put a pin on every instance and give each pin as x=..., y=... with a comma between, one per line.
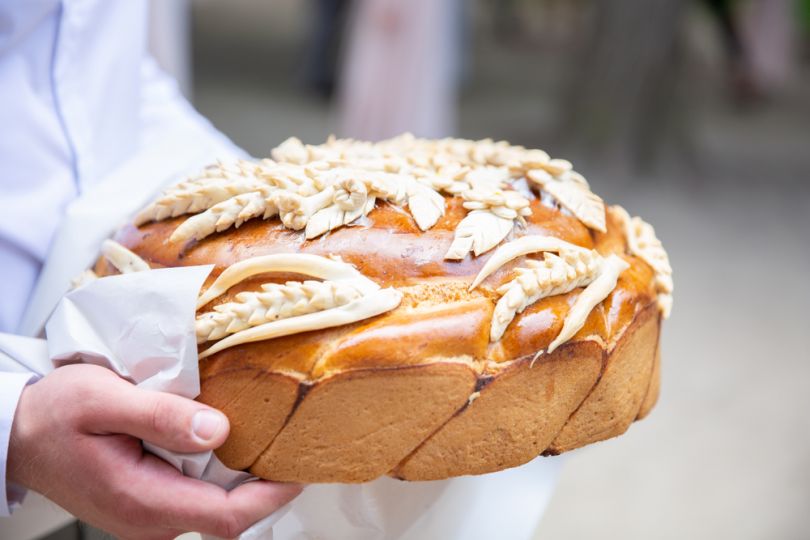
x=213, y=185
x=588, y=299
x=574, y=267
x=366, y=306
x=643, y=243
x=280, y=310
x=273, y=302
x=229, y=213
x=539, y=279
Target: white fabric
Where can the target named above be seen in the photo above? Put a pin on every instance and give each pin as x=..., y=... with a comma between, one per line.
x=80, y=98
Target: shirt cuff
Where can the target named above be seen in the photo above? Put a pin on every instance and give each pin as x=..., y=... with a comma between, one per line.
x=11, y=386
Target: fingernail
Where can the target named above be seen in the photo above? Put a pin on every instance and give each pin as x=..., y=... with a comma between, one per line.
x=206, y=424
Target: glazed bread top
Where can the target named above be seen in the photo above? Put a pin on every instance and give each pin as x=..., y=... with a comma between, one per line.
x=440, y=318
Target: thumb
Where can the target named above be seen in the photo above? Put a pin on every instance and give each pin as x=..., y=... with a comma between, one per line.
x=166, y=420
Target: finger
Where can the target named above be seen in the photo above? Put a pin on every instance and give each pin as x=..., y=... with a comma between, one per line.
x=166, y=420
x=192, y=505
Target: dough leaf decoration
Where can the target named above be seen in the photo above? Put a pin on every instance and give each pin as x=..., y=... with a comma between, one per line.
x=478, y=232
x=572, y=192
x=492, y=216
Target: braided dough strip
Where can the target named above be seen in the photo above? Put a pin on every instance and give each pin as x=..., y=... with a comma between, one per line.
x=273, y=302
x=369, y=305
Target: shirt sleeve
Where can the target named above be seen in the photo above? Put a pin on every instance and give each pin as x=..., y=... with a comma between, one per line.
x=11, y=386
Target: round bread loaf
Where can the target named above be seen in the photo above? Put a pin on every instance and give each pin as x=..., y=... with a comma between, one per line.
x=449, y=378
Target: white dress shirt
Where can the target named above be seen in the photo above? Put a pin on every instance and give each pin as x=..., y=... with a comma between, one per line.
x=78, y=96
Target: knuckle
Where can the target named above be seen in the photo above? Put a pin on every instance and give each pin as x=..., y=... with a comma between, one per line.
x=161, y=417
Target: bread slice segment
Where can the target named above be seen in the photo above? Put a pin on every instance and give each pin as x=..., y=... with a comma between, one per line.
x=616, y=400
x=513, y=419
x=654, y=389
x=357, y=425
x=256, y=402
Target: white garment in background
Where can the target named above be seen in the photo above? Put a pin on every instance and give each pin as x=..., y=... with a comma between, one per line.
x=78, y=97
x=400, y=69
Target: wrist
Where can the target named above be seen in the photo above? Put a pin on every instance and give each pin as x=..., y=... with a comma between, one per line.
x=21, y=458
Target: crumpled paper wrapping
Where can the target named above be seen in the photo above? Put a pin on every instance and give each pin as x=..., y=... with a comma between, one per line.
x=141, y=326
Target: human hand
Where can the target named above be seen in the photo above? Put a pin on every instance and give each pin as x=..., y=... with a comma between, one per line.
x=75, y=439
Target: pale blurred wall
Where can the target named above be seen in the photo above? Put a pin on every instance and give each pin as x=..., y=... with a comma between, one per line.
x=170, y=39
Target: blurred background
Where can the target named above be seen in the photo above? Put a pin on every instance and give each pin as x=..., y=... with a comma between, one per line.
x=693, y=114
